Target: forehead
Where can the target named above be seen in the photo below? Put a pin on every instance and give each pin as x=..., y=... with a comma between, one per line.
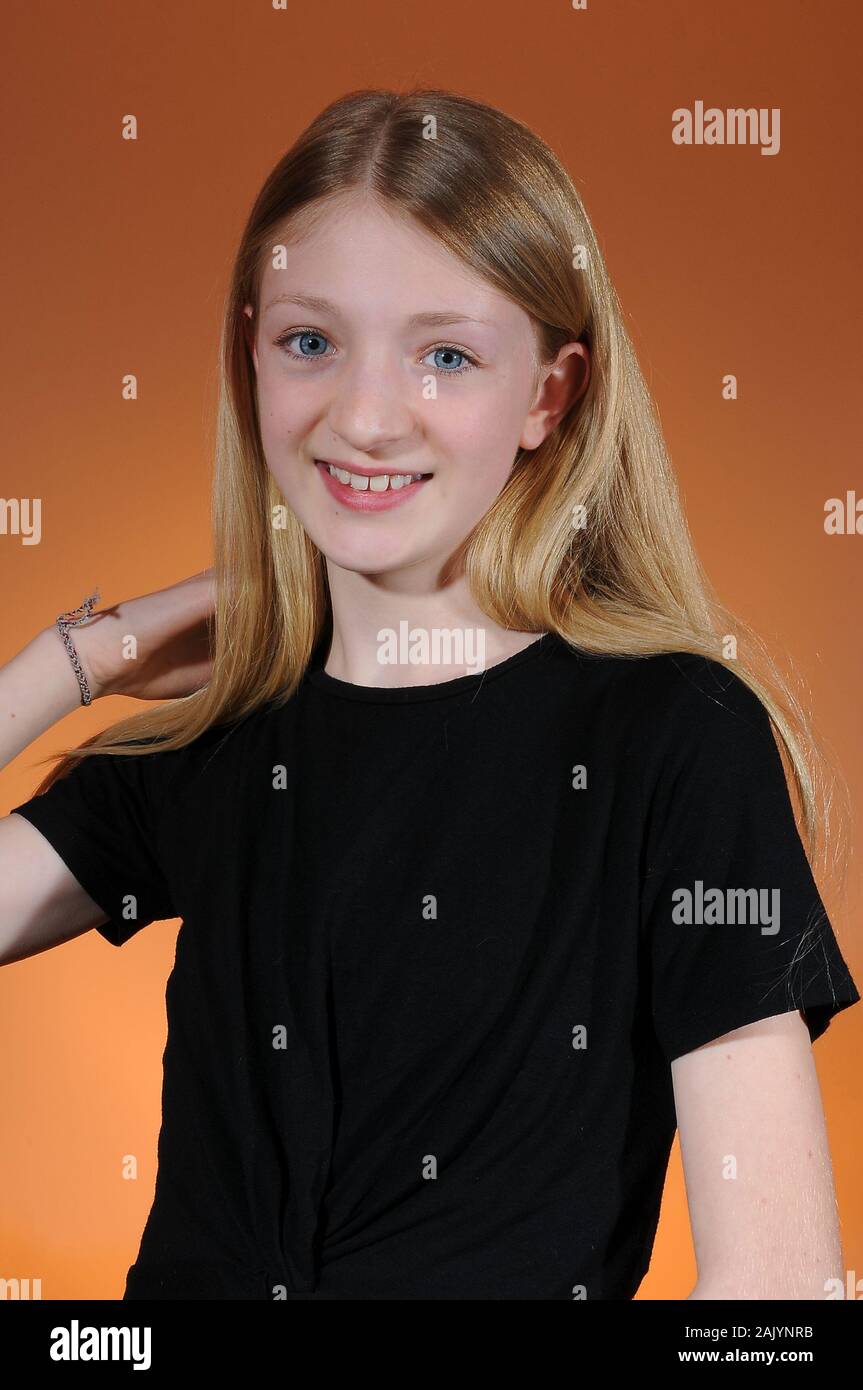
x=361, y=258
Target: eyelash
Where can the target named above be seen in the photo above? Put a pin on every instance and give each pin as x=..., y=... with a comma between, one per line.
x=471, y=361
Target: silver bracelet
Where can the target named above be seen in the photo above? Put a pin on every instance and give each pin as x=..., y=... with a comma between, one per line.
x=74, y=618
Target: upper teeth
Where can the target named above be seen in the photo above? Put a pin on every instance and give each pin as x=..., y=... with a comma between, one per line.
x=379, y=483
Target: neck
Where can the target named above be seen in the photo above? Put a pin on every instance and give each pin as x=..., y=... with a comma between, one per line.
x=401, y=631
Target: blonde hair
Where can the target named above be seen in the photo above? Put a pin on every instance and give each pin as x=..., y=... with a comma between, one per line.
x=628, y=583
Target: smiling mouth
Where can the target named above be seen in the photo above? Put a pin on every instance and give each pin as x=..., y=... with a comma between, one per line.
x=379, y=482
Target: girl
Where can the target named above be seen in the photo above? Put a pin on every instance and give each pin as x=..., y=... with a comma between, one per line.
x=486, y=864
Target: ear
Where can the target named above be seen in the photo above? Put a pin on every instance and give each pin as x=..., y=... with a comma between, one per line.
x=249, y=331
x=560, y=386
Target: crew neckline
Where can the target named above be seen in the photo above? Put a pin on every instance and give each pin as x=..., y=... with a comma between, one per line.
x=317, y=677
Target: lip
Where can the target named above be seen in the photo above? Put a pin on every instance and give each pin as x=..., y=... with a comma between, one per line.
x=366, y=501
x=363, y=470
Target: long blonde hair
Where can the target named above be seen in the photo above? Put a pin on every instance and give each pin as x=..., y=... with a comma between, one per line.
x=627, y=583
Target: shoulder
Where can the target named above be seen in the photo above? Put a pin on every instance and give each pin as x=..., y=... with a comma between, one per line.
x=663, y=685
x=669, y=705
x=219, y=749
x=692, y=688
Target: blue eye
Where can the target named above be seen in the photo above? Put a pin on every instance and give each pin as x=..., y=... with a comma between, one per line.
x=314, y=339
x=448, y=350
x=310, y=335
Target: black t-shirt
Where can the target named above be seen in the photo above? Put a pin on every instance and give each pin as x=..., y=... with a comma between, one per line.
x=439, y=947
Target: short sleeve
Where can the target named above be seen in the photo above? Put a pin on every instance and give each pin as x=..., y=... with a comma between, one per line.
x=736, y=930
x=102, y=819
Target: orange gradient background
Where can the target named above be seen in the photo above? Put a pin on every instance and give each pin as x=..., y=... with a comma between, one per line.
x=117, y=256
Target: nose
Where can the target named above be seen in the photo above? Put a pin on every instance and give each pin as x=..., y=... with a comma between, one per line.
x=372, y=403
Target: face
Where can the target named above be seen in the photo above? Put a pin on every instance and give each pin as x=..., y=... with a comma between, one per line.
x=377, y=352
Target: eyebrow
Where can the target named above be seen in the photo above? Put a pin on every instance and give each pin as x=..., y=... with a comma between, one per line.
x=425, y=320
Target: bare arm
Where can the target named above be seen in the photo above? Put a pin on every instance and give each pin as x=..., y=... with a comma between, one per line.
x=41, y=902
x=757, y=1164
x=37, y=687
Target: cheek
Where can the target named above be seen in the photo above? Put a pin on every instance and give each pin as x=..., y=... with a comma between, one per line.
x=283, y=421
x=483, y=444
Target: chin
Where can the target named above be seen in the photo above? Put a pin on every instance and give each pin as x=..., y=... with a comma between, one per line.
x=370, y=556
